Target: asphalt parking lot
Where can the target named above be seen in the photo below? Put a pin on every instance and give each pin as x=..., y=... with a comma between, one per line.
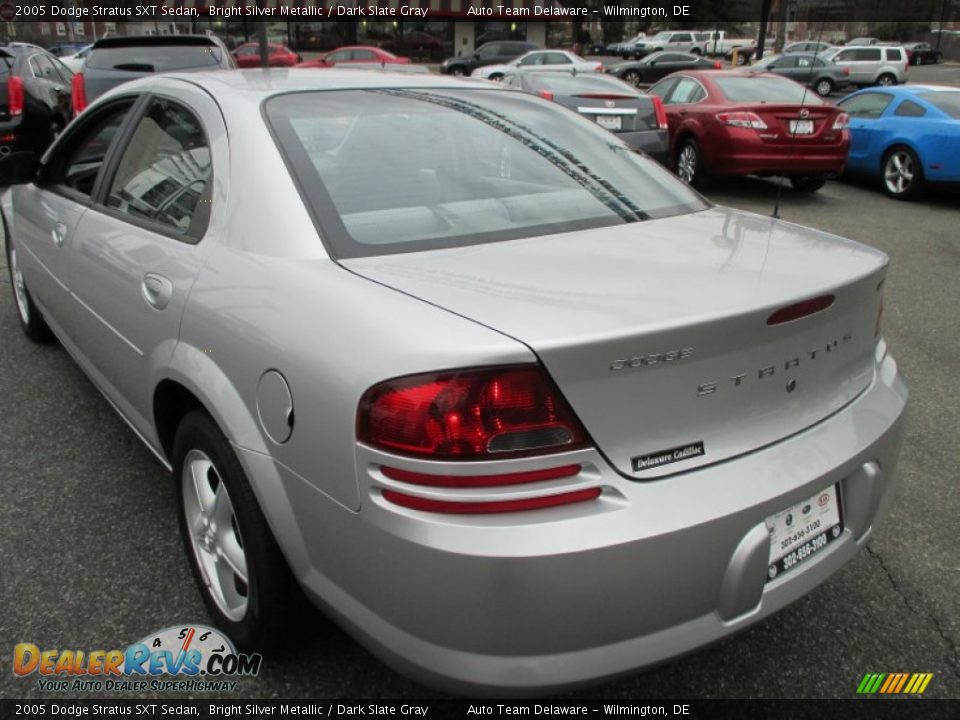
x=90, y=555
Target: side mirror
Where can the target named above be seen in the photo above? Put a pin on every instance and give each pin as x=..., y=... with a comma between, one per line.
x=19, y=168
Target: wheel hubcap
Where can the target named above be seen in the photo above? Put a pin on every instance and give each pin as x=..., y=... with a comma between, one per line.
x=215, y=535
x=898, y=175
x=633, y=79
x=823, y=88
x=19, y=288
x=885, y=81
x=687, y=164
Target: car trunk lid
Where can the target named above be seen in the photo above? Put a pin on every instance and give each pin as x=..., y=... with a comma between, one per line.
x=657, y=333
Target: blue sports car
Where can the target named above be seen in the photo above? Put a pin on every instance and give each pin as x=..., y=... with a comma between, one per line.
x=908, y=135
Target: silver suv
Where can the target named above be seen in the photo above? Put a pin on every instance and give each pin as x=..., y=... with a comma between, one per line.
x=871, y=65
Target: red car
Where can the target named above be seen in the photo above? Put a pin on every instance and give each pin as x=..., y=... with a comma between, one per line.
x=248, y=55
x=743, y=123
x=355, y=54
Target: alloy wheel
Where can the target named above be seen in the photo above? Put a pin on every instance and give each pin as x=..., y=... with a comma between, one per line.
x=687, y=164
x=898, y=173
x=823, y=88
x=215, y=535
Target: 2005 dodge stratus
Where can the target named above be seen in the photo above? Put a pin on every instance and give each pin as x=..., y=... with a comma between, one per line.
x=511, y=403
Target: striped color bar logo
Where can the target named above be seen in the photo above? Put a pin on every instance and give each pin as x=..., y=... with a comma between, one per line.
x=894, y=683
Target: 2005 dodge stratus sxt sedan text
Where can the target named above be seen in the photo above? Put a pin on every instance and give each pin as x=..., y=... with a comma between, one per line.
x=508, y=401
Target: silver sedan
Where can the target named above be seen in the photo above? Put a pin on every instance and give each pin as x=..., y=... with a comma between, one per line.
x=506, y=399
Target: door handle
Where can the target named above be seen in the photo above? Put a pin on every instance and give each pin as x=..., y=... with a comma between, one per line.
x=59, y=234
x=157, y=290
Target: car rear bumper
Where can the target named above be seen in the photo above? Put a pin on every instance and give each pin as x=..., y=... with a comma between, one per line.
x=532, y=602
x=655, y=143
x=782, y=162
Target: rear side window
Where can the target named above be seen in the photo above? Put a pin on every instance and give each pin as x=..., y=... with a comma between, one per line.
x=910, y=109
x=158, y=58
x=894, y=55
x=164, y=169
x=688, y=90
x=868, y=54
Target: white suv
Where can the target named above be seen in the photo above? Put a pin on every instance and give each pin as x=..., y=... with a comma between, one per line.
x=872, y=64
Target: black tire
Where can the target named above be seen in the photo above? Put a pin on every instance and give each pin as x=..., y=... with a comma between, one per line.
x=918, y=60
x=632, y=77
x=807, y=183
x=696, y=51
x=886, y=80
x=496, y=77
x=270, y=586
x=458, y=71
x=909, y=182
x=690, y=168
x=823, y=87
x=31, y=320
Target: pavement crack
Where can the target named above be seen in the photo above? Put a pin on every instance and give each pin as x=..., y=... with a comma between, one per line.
x=953, y=657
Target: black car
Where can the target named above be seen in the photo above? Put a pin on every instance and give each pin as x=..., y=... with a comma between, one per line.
x=658, y=65
x=491, y=53
x=116, y=60
x=634, y=117
x=920, y=53
x=34, y=98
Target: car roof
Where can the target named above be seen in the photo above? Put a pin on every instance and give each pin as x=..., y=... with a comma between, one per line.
x=259, y=84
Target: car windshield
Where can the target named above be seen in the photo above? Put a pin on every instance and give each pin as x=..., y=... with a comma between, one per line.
x=948, y=101
x=396, y=170
x=765, y=90
x=154, y=58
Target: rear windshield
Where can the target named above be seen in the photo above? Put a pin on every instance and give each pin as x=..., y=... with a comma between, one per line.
x=765, y=90
x=949, y=102
x=158, y=58
x=396, y=170
x=563, y=84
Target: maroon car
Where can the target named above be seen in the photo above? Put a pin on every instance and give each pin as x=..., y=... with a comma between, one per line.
x=355, y=54
x=736, y=123
x=248, y=55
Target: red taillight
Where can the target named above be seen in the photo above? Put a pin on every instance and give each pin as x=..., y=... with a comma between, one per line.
x=718, y=65
x=469, y=415
x=801, y=309
x=661, y=112
x=842, y=122
x=494, y=506
x=846, y=71
x=599, y=67
x=474, y=481
x=78, y=94
x=15, y=95
x=546, y=95
x=742, y=119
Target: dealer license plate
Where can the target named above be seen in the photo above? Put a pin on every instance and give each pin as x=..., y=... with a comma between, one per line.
x=610, y=122
x=801, y=127
x=800, y=532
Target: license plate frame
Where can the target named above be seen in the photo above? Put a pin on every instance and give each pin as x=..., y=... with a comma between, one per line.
x=610, y=122
x=801, y=127
x=803, y=530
